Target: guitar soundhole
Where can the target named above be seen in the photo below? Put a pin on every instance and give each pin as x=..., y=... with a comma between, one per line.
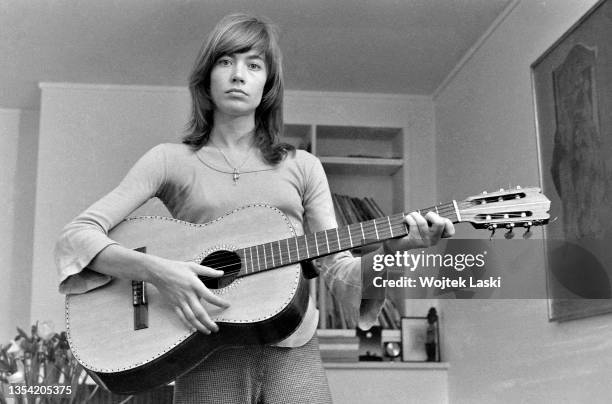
x=226, y=261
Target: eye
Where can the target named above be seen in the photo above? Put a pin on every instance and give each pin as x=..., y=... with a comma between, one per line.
x=254, y=66
x=224, y=61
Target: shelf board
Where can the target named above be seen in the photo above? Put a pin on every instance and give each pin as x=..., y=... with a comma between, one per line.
x=361, y=165
x=387, y=365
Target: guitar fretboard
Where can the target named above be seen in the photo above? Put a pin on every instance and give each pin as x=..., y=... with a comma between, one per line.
x=309, y=246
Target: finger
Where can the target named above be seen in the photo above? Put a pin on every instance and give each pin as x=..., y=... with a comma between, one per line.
x=437, y=224
x=181, y=316
x=202, y=315
x=413, y=229
x=193, y=320
x=421, y=223
x=449, y=229
x=205, y=293
x=202, y=270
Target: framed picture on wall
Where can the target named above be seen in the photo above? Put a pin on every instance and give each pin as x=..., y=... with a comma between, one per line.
x=572, y=83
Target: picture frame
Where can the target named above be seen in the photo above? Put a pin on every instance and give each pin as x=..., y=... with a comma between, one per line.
x=415, y=335
x=572, y=89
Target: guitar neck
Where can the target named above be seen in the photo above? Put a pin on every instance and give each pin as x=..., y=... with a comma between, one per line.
x=293, y=250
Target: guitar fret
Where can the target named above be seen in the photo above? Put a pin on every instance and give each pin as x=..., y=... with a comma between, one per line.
x=288, y=250
x=264, y=254
x=349, y=233
x=375, y=229
x=244, y=264
x=297, y=248
x=280, y=253
x=246, y=259
x=272, y=254
x=251, y=254
x=258, y=264
x=390, y=228
x=338, y=238
x=316, y=244
x=362, y=233
x=326, y=240
x=306, y=243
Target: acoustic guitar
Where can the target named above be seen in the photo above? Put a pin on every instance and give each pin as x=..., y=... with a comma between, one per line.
x=129, y=338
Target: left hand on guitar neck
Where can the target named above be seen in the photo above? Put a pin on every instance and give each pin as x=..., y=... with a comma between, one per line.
x=423, y=232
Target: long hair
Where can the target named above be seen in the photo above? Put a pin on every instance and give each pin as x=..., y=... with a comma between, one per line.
x=238, y=33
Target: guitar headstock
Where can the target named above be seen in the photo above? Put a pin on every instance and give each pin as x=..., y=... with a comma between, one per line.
x=506, y=208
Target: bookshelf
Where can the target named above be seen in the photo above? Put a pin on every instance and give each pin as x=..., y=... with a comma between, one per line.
x=362, y=162
x=358, y=160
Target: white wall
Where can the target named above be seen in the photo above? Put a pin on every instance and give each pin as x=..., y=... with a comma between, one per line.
x=18, y=159
x=507, y=351
x=90, y=135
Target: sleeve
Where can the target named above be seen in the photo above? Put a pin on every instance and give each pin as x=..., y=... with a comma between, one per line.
x=85, y=236
x=341, y=272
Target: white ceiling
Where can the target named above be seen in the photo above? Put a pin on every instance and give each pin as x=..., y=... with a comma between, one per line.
x=382, y=46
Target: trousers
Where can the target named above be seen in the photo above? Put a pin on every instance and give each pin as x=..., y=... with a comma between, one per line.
x=257, y=374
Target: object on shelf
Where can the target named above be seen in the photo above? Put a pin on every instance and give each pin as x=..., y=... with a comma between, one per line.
x=417, y=333
x=338, y=345
x=351, y=210
x=370, y=347
x=432, y=345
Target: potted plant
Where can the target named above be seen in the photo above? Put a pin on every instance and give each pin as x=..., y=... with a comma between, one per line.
x=40, y=368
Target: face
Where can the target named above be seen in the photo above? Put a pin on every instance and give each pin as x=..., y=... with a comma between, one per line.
x=237, y=82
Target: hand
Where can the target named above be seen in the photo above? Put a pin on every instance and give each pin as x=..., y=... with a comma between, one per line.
x=423, y=232
x=178, y=282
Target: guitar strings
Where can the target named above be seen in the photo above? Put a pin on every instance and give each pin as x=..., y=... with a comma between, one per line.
x=368, y=227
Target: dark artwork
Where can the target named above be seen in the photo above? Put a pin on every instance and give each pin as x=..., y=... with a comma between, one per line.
x=573, y=90
x=578, y=161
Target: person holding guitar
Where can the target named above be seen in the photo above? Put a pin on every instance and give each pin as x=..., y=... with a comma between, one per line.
x=231, y=157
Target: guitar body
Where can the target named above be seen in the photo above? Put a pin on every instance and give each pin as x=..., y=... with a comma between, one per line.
x=266, y=307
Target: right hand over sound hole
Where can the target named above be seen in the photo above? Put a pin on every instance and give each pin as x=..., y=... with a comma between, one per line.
x=178, y=282
x=227, y=261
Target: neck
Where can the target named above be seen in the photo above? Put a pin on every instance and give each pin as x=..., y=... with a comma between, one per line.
x=231, y=132
x=279, y=253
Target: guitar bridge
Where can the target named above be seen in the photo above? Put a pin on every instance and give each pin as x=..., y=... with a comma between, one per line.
x=139, y=301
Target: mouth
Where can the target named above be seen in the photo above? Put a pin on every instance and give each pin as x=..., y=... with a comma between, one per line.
x=235, y=91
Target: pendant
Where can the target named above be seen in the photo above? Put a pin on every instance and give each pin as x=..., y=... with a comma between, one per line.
x=236, y=176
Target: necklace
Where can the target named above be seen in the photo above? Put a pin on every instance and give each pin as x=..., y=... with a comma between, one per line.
x=235, y=170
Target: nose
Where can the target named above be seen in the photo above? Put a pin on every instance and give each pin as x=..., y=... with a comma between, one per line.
x=238, y=73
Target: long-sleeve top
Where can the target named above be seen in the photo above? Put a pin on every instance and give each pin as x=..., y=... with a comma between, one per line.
x=198, y=186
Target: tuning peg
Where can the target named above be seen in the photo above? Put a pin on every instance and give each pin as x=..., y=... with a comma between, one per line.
x=509, y=234
x=528, y=232
x=492, y=227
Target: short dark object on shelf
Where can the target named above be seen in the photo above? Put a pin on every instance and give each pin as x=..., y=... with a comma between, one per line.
x=431, y=338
